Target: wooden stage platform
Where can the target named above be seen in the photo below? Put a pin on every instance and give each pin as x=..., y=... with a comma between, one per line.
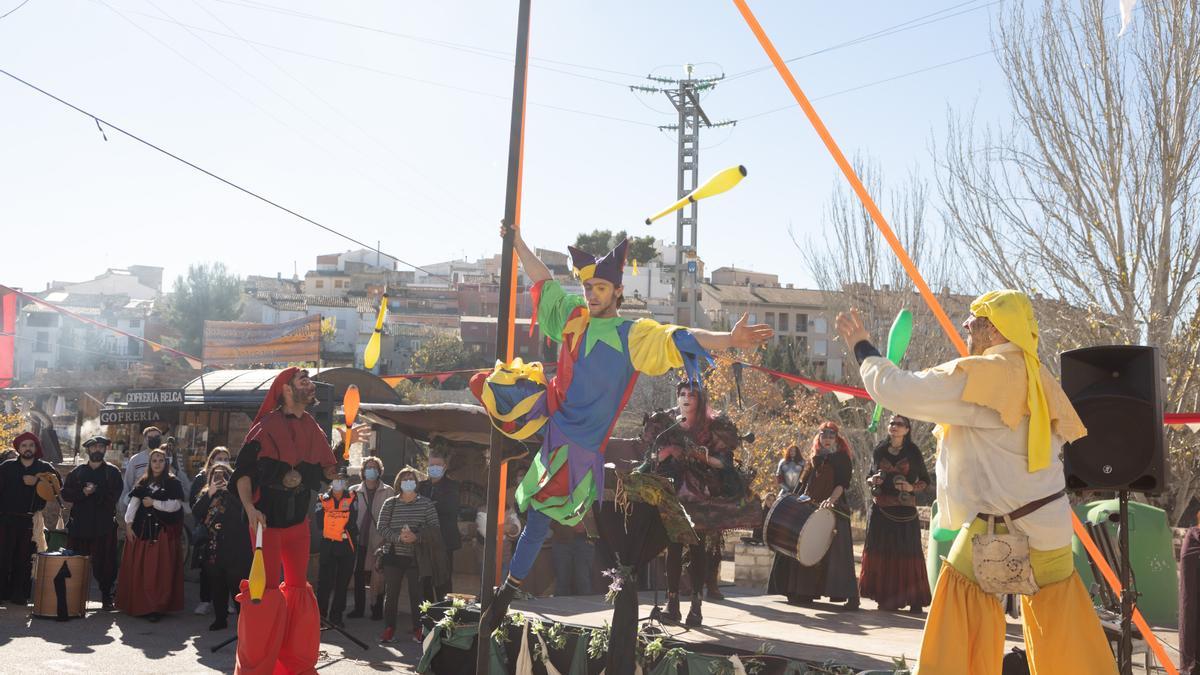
x=864, y=639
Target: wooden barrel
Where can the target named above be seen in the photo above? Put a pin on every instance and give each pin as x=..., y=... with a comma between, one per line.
x=60, y=585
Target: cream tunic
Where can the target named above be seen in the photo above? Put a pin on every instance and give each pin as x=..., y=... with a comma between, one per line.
x=982, y=464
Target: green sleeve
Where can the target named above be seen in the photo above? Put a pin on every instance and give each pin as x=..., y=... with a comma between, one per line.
x=554, y=307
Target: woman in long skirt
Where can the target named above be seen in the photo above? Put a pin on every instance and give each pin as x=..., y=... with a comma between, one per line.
x=825, y=480
x=151, y=578
x=893, y=565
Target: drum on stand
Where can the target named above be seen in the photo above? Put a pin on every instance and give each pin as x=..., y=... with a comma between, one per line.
x=797, y=528
x=60, y=585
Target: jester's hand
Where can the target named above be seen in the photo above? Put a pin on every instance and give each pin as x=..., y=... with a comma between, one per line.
x=746, y=336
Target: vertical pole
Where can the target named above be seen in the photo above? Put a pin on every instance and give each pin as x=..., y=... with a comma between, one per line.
x=1125, y=650
x=504, y=332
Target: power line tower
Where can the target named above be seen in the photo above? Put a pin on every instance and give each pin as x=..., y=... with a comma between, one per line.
x=685, y=96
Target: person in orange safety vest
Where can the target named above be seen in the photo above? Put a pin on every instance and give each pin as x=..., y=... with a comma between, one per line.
x=335, y=520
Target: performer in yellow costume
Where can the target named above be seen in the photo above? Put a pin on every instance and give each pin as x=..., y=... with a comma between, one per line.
x=1003, y=419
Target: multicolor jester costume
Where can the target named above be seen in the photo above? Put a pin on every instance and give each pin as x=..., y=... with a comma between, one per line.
x=599, y=362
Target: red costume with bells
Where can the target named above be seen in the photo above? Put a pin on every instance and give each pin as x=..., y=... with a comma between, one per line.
x=282, y=633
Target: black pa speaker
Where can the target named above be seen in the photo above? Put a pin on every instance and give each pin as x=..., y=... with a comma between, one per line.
x=1117, y=391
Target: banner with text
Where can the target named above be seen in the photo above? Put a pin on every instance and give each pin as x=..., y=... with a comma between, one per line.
x=230, y=343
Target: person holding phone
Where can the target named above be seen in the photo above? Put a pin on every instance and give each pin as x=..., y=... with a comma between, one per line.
x=224, y=551
x=403, y=520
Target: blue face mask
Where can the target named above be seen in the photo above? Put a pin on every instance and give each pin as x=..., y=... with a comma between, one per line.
x=371, y=474
x=408, y=486
x=436, y=471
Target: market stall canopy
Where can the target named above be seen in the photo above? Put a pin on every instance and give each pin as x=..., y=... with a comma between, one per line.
x=246, y=388
x=456, y=422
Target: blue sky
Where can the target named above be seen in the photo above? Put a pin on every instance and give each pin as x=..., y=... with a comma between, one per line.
x=401, y=136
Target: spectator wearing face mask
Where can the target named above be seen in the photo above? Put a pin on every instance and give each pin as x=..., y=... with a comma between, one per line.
x=135, y=467
x=223, y=550
x=337, y=521
x=444, y=493
x=404, y=522
x=219, y=455
x=370, y=494
x=93, y=490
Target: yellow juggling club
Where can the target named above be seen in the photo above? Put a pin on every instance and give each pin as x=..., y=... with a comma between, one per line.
x=719, y=183
x=371, y=355
x=258, y=572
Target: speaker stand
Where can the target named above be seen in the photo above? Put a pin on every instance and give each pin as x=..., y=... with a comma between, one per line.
x=1125, y=647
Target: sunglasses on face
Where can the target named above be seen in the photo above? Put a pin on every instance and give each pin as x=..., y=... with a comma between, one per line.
x=828, y=434
x=902, y=425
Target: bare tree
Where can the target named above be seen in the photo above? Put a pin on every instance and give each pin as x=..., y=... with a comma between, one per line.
x=1089, y=192
x=854, y=267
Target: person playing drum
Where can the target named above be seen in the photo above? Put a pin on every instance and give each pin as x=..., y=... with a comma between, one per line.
x=825, y=479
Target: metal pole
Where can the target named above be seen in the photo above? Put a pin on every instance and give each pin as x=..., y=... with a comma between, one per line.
x=504, y=323
x=1125, y=650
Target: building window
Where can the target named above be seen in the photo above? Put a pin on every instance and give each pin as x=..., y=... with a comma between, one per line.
x=801, y=323
x=753, y=318
x=820, y=347
x=320, y=283
x=134, y=348
x=801, y=344
x=783, y=322
x=42, y=320
x=41, y=365
x=771, y=319
x=42, y=346
x=341, y=324
x=135, y=323
x=819, y=325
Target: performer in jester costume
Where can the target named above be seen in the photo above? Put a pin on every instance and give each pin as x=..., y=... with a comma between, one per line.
x=601, y=356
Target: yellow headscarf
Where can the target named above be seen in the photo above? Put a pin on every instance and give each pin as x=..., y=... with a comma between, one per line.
x=1012, y=314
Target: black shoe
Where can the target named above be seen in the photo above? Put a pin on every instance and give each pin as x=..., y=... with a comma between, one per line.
x=106, y=605
x=500, y=602
x=356, y=614
x=915, y=609
x=800, y=600
x=694, y=618
x=219, y=624
x=851, y=604
x=714, y=593
x=837, y=599
x=671, y=614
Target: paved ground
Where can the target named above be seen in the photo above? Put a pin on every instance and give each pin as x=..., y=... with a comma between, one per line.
x=111, y=642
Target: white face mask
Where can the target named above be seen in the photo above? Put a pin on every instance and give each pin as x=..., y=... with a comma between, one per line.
x=408, y=486
x=338, y=485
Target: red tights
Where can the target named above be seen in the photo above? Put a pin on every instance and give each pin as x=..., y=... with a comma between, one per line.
x=282, y=633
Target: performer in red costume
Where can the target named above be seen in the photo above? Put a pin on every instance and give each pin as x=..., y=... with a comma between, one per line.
x=284, y=460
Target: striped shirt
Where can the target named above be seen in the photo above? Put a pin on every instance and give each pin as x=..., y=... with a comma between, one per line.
x=419, y=514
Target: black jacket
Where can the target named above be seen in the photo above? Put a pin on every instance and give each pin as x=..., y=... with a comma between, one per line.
x=93, y=515
x=226, y=534
x=17, y=500
x=444, y=494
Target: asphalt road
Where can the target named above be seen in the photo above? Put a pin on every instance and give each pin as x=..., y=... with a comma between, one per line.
x=112, y=642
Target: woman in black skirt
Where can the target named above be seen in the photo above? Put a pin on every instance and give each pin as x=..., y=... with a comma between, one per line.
x=825, y=480
x=893, y=565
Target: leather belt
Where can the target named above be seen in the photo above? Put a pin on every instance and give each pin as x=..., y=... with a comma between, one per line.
x=1027, y=509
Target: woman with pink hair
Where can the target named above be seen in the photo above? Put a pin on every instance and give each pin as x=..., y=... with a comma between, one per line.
x=825, y=480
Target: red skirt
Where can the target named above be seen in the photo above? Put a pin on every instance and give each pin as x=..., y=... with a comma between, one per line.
x=893, y=565
x=151, y=577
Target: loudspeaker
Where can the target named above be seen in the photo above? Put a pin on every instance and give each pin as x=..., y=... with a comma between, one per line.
x=1117, y=391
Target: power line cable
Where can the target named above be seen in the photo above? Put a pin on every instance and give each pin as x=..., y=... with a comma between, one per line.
x=210, y=174
x=402, y=76
x=389, y=189
x=5, y=15
x=472, y=49
x=868, y=37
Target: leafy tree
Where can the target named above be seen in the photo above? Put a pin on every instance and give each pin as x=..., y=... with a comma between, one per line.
x=445, y=352
x=599, y=242
x=208, y=293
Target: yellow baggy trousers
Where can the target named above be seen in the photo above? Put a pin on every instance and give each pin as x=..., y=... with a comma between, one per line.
x=964, y=634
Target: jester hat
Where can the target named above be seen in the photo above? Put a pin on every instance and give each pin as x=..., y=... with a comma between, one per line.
x=608, y=267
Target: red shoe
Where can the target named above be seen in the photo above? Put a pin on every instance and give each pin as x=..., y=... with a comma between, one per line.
x=389, y=635
x=418, y=636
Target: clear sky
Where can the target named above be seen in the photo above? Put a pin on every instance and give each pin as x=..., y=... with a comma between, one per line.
x=398, y=131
